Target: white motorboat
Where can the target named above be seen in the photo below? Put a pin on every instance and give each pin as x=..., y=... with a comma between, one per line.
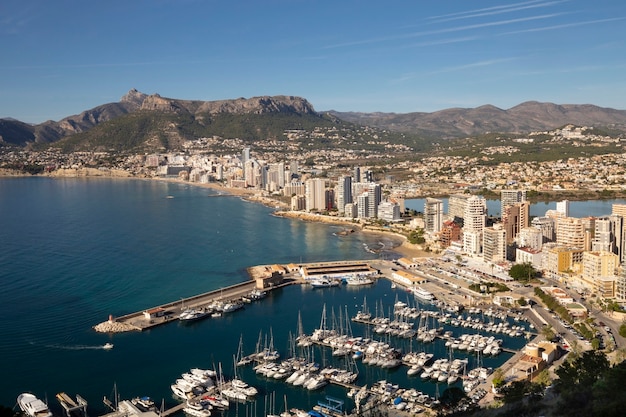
x=107, y=346
x=423, y=294
x=359, y=280
x=33, y=406
x=193, y=314
x=323, y=283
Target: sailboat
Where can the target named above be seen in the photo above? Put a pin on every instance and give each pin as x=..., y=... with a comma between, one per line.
x=242, y=360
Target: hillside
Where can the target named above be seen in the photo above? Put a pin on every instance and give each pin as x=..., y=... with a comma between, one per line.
x=141, y=120
x=523, y=118
x=146, y=123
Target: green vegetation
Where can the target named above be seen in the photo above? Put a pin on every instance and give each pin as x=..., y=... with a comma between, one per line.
x=523, y=272
x=490, y=287
x=589, y=386
x=622, y=330
x=554, y=305
x=416, y=237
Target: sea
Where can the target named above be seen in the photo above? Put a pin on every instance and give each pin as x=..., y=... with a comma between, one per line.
x=74, y=251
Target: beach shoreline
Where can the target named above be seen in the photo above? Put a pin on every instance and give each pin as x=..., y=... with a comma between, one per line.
x=281, y=209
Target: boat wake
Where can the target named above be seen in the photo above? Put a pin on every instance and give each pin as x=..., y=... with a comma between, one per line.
x=78, y=347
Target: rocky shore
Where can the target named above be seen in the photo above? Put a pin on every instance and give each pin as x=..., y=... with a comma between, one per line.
x=112, y=326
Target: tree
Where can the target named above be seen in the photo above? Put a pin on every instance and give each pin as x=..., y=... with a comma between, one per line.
x=498, y=378
x=522, y=272
x=622, y=330
x=543, y=378
x=548, y=332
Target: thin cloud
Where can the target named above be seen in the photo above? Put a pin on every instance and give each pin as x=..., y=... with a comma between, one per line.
x=445, y=70
x=501, y=11
x=447, y=30
x=564, y=25
x=485, y=9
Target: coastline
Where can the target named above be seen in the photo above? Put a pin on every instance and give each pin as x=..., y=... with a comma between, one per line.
x=281, y=209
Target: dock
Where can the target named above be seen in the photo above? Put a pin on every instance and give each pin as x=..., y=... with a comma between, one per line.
x=265, y=277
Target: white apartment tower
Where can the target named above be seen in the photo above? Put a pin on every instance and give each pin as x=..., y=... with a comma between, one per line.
x=510, y=197
x=494, y=244
x=563, y=207
x=433, y=215
x=570, y=232
x=315, y=193
x=530, y=237
x=344, y=193
x=457, y=204
x=475, y=215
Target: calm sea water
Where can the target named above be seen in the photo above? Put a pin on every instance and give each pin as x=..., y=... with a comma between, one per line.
x=74, y=251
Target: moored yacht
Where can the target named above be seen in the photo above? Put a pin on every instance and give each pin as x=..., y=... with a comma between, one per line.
x=33, y=406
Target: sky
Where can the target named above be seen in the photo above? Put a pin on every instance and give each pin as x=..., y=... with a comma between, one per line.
x=59, y=58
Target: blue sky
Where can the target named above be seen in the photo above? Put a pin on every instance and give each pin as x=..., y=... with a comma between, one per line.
x=62, y=57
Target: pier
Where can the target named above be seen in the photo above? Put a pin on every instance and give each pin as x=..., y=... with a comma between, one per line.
x=265, y=277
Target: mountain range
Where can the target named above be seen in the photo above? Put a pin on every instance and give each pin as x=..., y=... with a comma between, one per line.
x=150, y=122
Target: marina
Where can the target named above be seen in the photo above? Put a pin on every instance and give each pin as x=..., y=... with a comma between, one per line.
x=425, y=336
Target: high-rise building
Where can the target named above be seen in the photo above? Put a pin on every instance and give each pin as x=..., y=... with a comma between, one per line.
x=563, y=207
x=475, y=215
x=598, y=269
x=547, y=227
x=362, y=205
x=450, y=232
x=510, y=197
x=357, y=174
x=389, y=212
x=245, y=156
x=530, y=237
x=603, y=238
x=472, y=242
x=433, y=215
x=315, y=192
x=620, y=210
x=457, y=204
x=515, y=217
x=344, y=193
x=570, y=232
x=494, y=244
x=375, y=197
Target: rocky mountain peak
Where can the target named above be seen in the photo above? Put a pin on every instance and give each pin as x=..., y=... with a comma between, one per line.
x=133, y=97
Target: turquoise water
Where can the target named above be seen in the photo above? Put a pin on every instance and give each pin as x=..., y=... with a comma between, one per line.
x=74, y=251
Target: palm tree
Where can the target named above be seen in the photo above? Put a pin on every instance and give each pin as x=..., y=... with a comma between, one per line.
x=548, y=332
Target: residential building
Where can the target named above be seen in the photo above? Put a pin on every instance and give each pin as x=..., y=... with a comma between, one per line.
x=510, y=197
x=530, y=237
x=344, y=193
x=515, y=217
x=457, y=204
x=315, y=192
x=433, y=215
x=494, y=244
x=570, y=231
x=389, y=212
x=472, y=242
x=450, y=232
x=598, y=270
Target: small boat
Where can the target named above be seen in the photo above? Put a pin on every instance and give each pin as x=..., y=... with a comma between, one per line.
x=33, y=406
x=323, y=283
x=359, y=280
x=107, y=346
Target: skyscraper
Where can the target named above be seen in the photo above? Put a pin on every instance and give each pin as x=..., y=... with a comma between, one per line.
x=344, y=193
x=433, y=215
x=510, y=197
x=315, y=192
